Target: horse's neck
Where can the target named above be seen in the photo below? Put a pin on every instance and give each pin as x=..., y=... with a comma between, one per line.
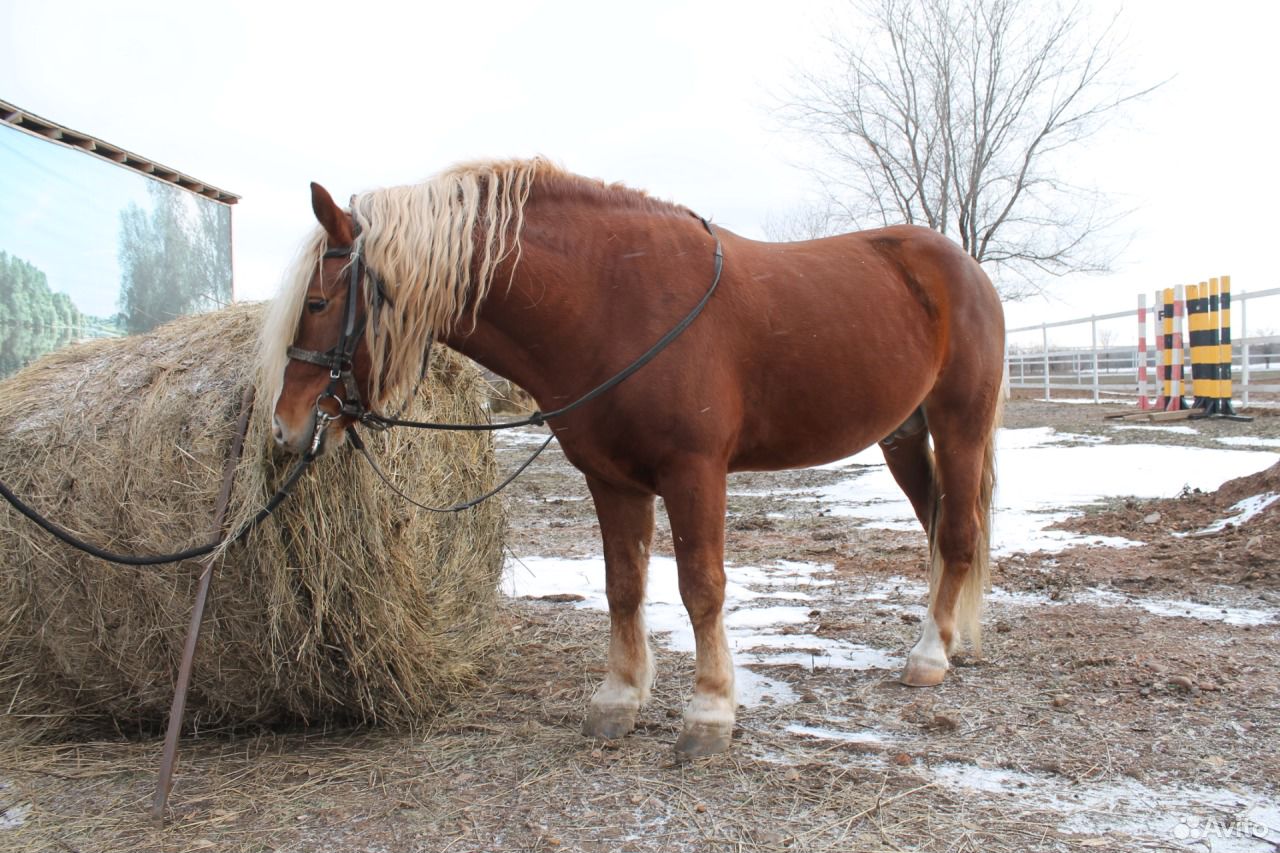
x=535, y=330
x=574, y=302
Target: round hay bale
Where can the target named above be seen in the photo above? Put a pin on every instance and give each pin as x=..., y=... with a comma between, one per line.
x=347, y=605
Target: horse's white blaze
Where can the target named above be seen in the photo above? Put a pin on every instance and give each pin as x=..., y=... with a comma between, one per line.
x=929, y=651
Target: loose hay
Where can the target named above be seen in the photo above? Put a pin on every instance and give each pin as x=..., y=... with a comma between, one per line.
x=346, y=606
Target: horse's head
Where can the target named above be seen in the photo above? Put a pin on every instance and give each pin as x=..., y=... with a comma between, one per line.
x=326, y=378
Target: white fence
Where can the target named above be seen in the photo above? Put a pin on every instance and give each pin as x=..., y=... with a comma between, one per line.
x=1108, y=365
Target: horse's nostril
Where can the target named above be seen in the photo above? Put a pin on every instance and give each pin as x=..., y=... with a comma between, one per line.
x=276, y=431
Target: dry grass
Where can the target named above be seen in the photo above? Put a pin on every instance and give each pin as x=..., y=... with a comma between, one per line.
x=346, y=606
x=506, y=769
x=1067, y=698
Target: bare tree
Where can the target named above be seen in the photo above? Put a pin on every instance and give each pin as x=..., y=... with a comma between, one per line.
x=957, y=114
x=804, y=222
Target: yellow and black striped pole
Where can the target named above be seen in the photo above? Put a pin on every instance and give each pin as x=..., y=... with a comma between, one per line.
x=1208, y=312
x=1215, y=396
x=1224, y=349
x=1198, y=332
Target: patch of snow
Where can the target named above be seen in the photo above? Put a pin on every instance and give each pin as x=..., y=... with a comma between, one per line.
x=519, y=437
x=810, y=652
x=1242, y=512
x=1185, y=817
x=746, y=626
x=895, y=585
x=1182, y=609
x=15, y=816
x=1248, y=441
x=1028, y=438
x=823, y=733
x=763, y=617
x=902, y=588
x=1156, y=606
x=753, y=689
x=1077, y=401
x=1000, y=595
x=872, y=455
x=1176, y=430
x=892, y=524
x=1176, y=817
x=788, y=573
x=1037, y=476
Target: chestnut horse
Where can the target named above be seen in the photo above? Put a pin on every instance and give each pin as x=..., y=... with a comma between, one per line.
x=807, y=352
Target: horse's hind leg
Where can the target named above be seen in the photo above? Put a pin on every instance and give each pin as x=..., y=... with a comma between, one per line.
x=626, y=526
x=906, y=452
x=963, y=480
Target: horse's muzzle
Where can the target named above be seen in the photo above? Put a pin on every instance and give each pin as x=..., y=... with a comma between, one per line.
x=298, y=441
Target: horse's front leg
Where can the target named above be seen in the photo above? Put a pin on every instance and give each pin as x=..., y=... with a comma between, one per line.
x=695, y=499
x=626, y=526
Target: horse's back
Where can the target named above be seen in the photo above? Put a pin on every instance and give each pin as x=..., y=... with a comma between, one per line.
x=846, y=336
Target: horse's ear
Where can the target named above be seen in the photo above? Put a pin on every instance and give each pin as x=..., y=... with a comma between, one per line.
x=336, y=223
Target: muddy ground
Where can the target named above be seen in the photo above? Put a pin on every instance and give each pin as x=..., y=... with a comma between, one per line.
x=1127, y=699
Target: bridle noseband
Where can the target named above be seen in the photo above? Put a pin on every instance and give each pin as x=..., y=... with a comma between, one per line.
x=340, y=359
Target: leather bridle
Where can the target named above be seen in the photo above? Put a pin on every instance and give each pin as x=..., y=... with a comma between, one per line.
x=340, y=358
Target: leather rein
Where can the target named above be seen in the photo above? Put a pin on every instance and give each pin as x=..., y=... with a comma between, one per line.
x=340, y=361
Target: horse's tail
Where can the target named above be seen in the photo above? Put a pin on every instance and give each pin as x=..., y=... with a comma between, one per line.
x=968, y=612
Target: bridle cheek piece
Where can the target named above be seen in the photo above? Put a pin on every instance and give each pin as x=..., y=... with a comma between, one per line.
x=340, y=359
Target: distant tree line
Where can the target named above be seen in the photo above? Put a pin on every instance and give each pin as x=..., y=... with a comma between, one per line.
x=33, y=319
x=25, y=298
x=174, y=260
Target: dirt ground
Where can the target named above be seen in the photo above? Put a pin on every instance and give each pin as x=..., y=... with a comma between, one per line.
x=1127, y=699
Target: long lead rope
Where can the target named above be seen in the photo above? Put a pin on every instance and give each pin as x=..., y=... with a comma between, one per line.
x=376, y=421
x=69, y=538
x=359, y=445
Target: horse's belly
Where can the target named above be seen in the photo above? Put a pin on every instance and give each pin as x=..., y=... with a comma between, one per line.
x=804, y=450
x=799, y=433
x=827, y=380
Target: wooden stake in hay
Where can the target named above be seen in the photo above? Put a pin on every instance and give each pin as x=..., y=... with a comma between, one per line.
x=346, y=605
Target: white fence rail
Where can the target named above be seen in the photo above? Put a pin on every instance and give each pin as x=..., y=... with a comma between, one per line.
x=1105, y=367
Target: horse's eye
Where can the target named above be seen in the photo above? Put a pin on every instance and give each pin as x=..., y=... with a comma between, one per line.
x=315, y=306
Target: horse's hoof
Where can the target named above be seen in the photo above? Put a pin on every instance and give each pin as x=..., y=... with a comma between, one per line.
x=701, y=739
x=609, y=723
x=923, y=673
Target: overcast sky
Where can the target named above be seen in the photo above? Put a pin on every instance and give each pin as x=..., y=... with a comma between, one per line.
x=676, y=98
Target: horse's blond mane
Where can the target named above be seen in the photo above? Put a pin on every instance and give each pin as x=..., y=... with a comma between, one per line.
x=436, y=245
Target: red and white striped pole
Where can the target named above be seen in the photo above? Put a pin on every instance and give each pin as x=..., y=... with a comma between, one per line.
x=1143, y=402
x=1162, y=396
x=1179, y=356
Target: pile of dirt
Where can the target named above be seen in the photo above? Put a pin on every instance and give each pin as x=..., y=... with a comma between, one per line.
x=1189, y=529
